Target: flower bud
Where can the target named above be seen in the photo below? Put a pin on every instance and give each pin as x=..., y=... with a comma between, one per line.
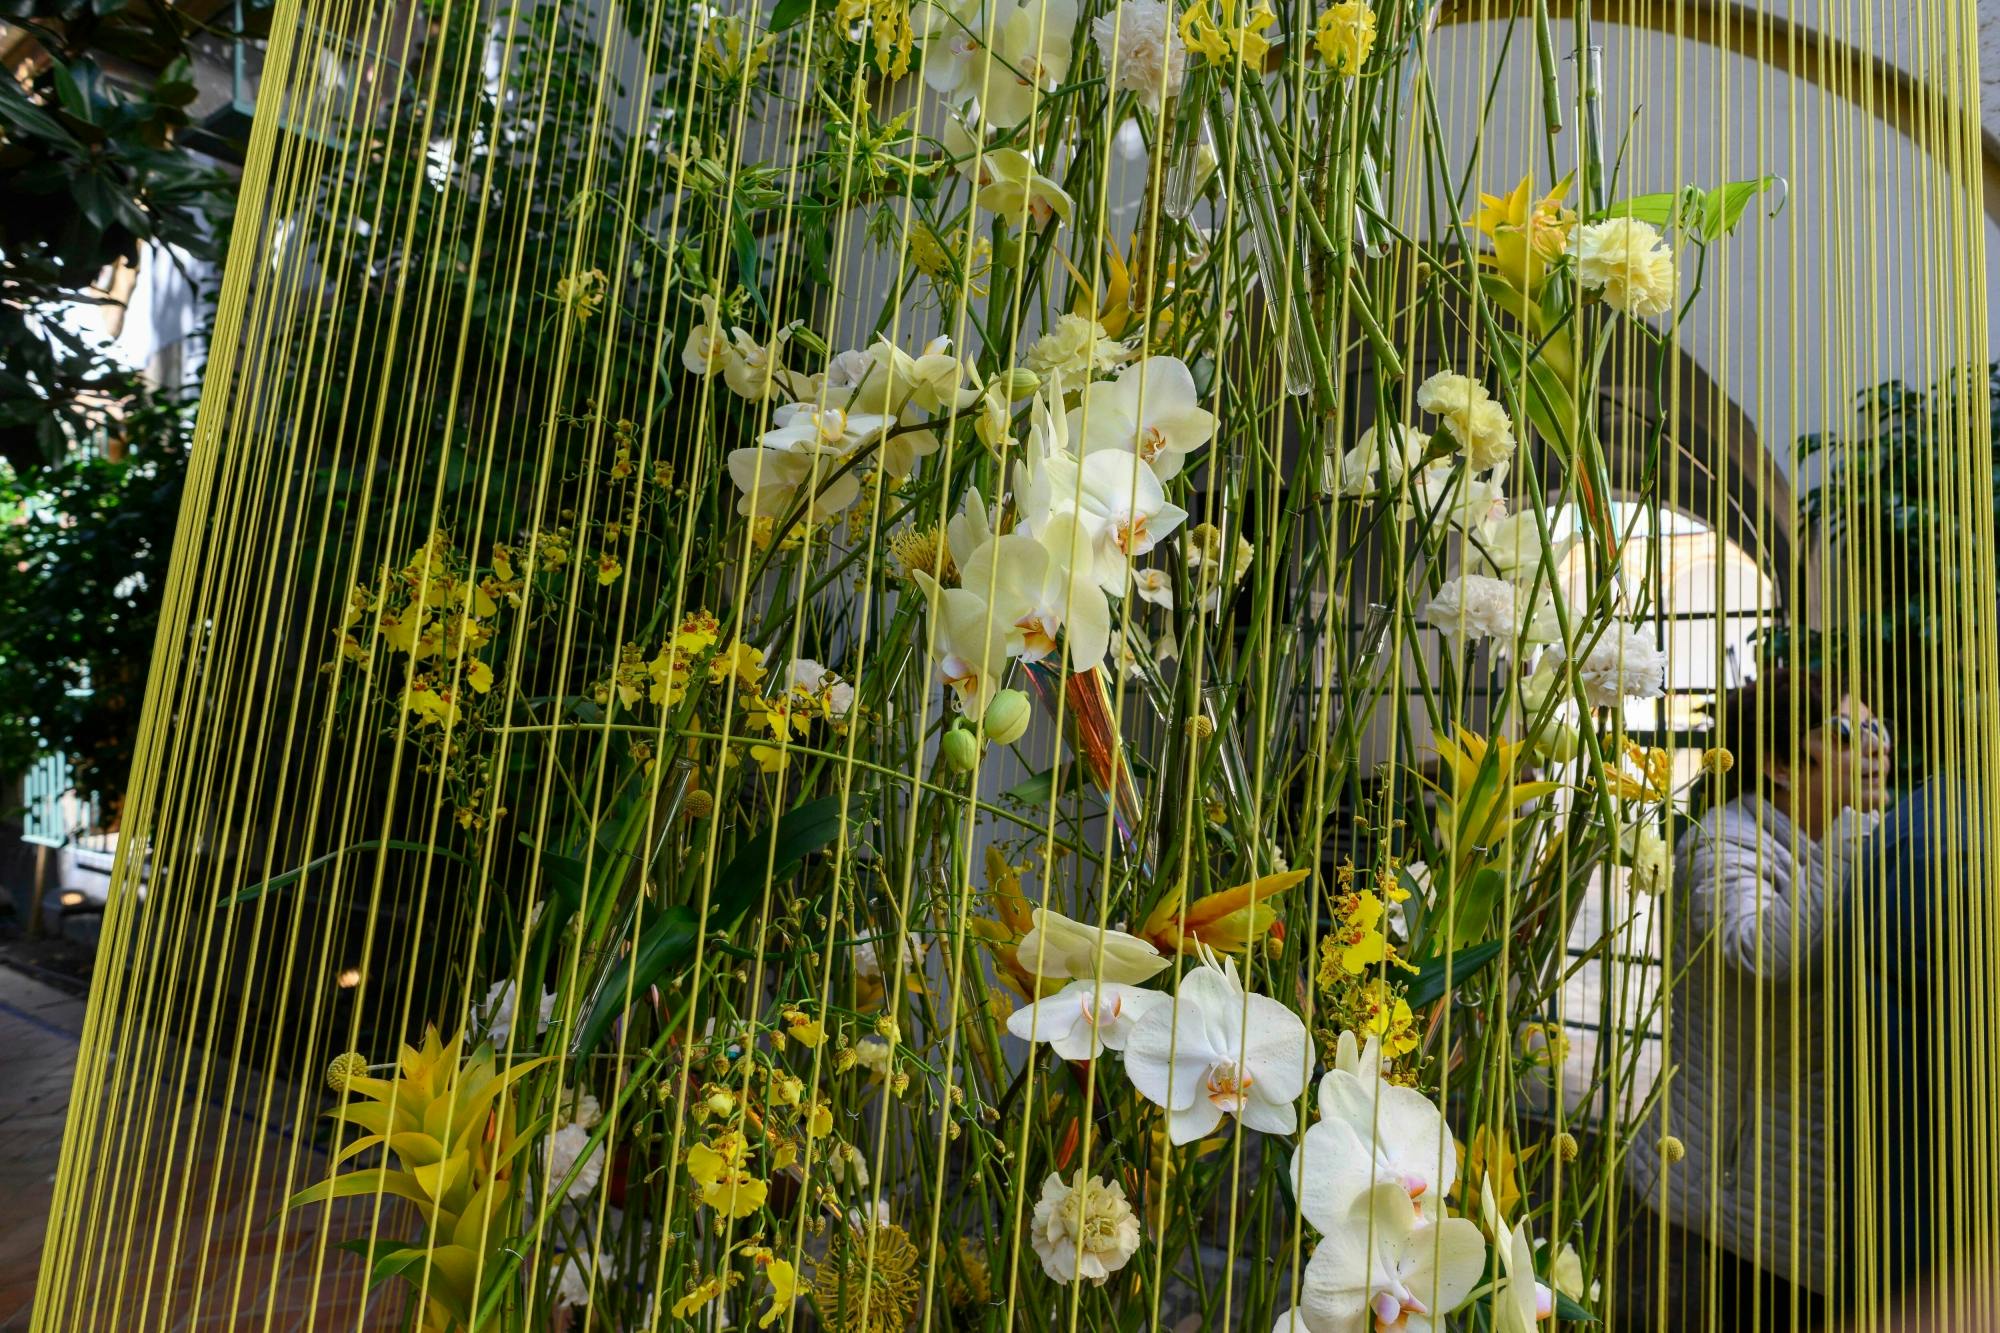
x=960, y=749
x=1007, y=717
x=345, y=1069
x=1199, y=727
x=1559, y=743
x=699, y=804
x=1020, y=384
x=1672, y=1150
x=1717, y=761
x=1567, y=1148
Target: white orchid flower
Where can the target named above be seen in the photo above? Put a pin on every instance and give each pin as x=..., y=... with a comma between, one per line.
x=1116, y=497
x=776, y=481
x=1369, y=467
x=707, y=342
x=1520, y=1301
x=1151, y=409
x=1040, y=586
x=1030, y=42
x=1382, y=1265
x=1012, y=188
x=1085, y=1018
x=1057, y=947
x=1218, y=1050
x=1371, y=1131
x=804, y=427
x=751, y=369
x=954, y=47
x=1153, y=585
x=970, y=645
x=1511, y=548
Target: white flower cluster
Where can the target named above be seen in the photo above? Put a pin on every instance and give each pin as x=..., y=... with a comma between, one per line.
x=876, y=400
x=1142, y=50
x=1089, y=501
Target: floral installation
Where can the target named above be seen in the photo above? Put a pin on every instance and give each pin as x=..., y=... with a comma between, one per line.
x=925, y=774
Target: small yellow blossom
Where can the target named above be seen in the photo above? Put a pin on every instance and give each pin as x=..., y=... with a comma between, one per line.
x=1232, y=29
x=699, y=1295
x=807, y=1031
x=727, y=1184
x=1344, y=35
x=582, y=294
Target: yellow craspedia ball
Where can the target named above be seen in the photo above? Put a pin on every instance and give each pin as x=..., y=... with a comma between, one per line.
x=1717, y=761
x=699, y=804
x=1200, y=728
x=1672, y=1150
x=1566, y=1147
x=344, y=1069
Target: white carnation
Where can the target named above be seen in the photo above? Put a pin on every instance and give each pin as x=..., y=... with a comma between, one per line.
x=566, y=1145
x=1629, y=261
x=1142, y=50
x=1625, y=663
x=1476, y=606
x=495, y=1017
x=1085, y=1231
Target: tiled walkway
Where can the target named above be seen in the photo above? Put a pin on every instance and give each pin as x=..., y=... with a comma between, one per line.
x=38, y=1032
x=248, y=1279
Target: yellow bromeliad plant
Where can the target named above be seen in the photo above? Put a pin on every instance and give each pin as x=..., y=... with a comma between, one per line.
x=447, y=1121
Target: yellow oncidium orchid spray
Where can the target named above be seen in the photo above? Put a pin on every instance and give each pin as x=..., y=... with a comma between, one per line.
x=448, y=1121
x=1228, y=922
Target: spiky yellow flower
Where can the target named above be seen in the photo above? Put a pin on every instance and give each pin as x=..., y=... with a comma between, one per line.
x=915, y=550
x=443, y=1126
x=938, y=255
x=1233, y=28
x=868, y=1282
x=968, y=1281
x=581, y=295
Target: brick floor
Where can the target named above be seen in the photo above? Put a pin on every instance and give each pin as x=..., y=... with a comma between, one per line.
x=232, y=1266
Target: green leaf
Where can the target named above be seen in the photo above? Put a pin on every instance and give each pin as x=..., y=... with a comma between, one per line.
x=1570, y=1312
x=1657, y=209
x=371, y=845
x=789, y=13
x=25, y=116
x=564, y=875
x=1722, y=208
x=1429, y=983
x=667, y=946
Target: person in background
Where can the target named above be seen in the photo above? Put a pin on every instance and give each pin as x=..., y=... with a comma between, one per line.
x=1731, y=1180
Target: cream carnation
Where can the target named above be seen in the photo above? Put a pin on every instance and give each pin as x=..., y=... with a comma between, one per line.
x=1629, y=261
x=1484, y=433
x=1624, y=663
x=1141, y=49
x=1076, y=348
x=1084, y=1231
